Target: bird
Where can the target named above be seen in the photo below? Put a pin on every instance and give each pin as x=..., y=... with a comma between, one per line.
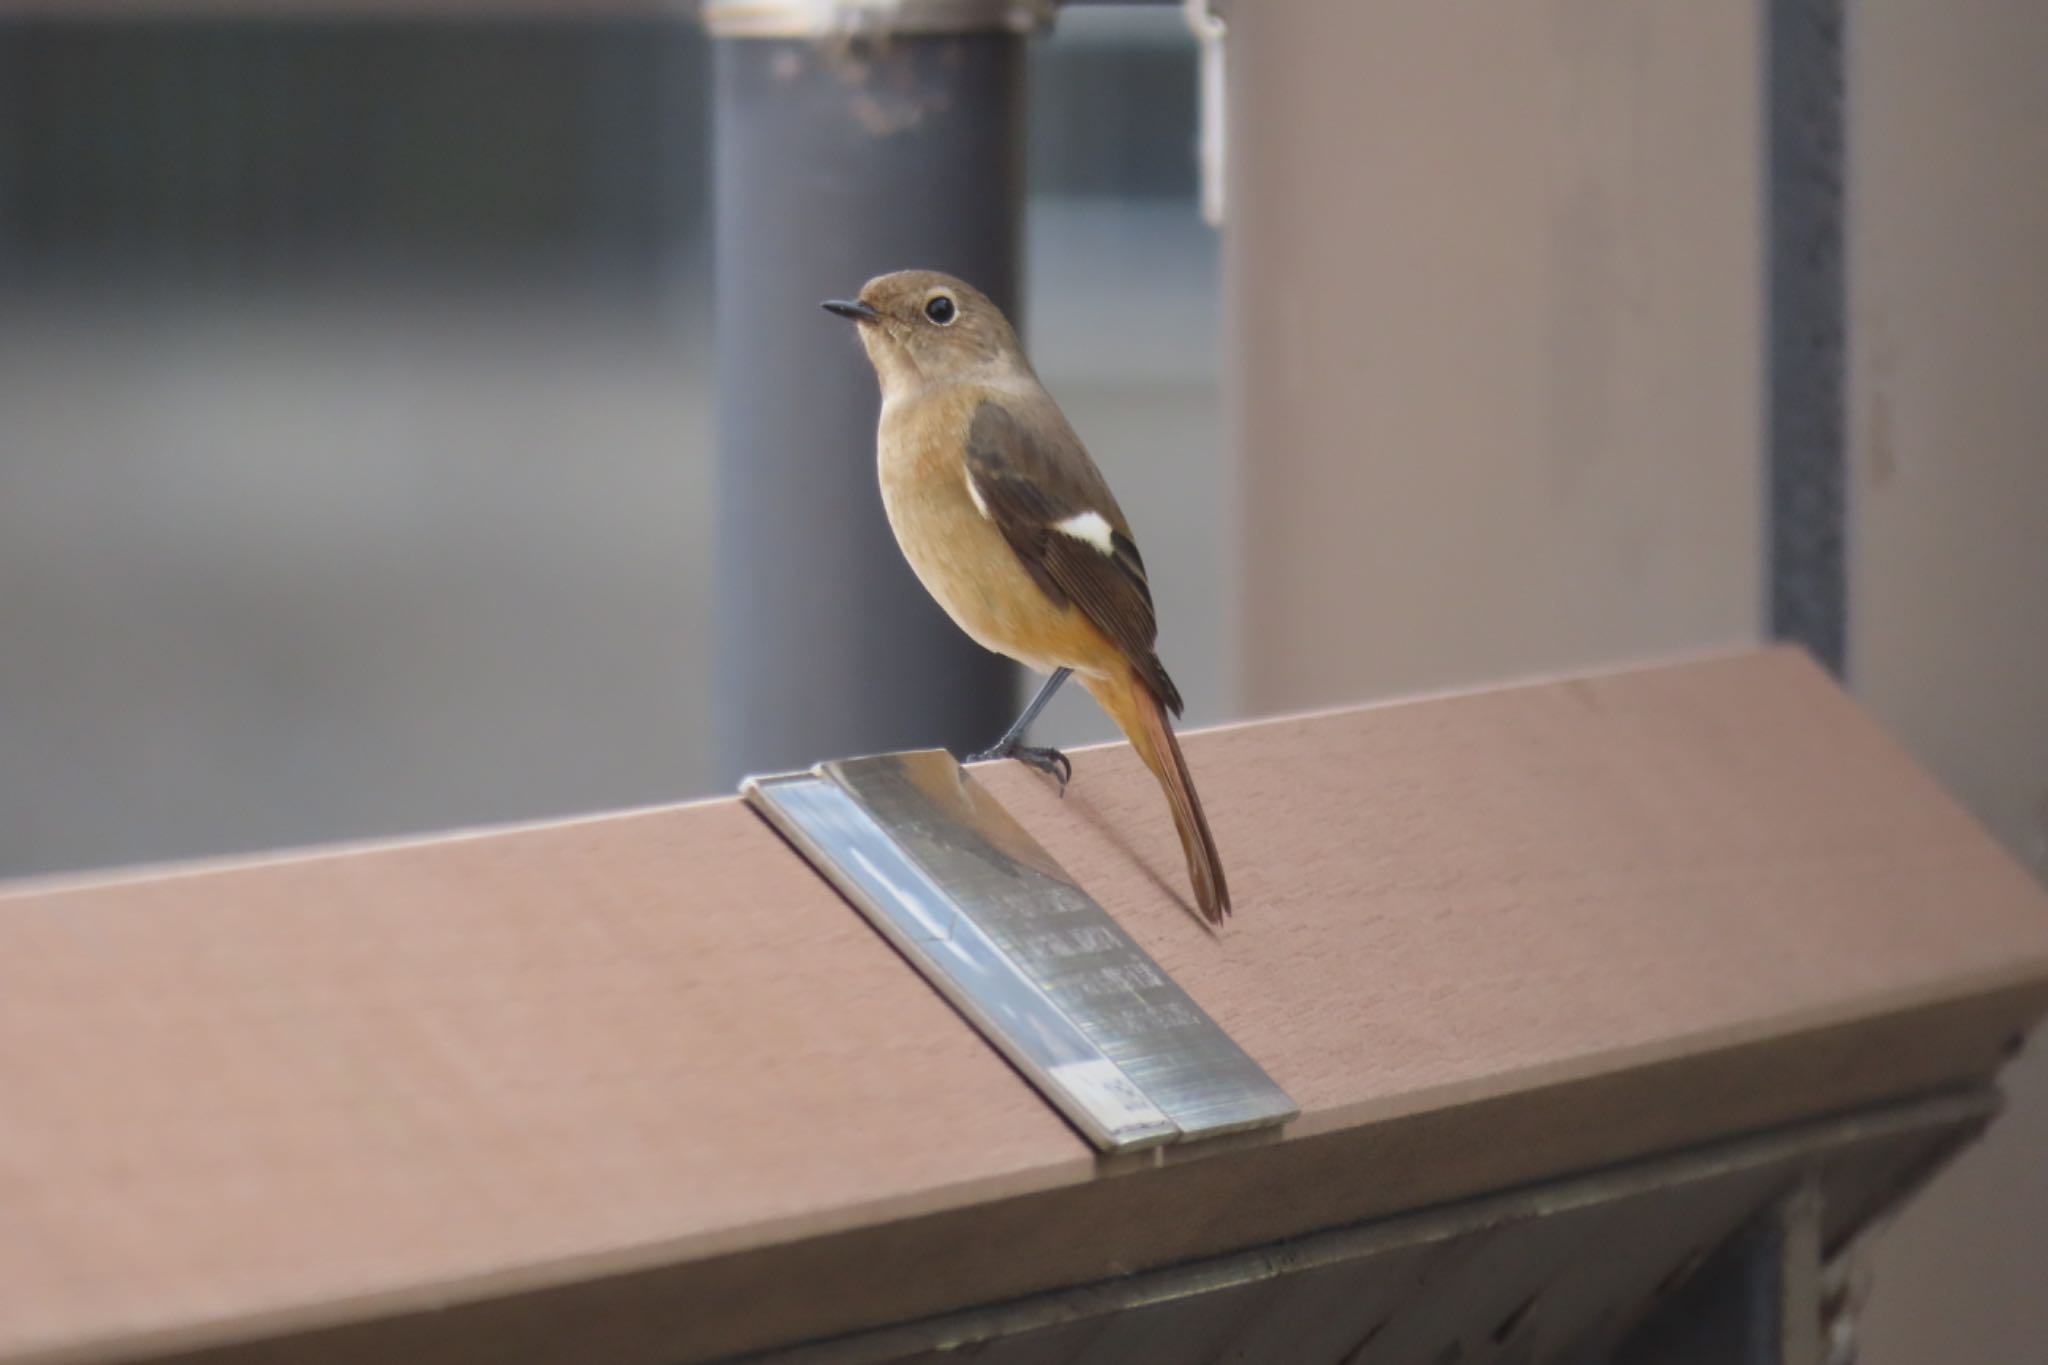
x=1008, y=523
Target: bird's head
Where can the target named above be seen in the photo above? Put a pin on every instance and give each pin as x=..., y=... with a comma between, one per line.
x=921, y=327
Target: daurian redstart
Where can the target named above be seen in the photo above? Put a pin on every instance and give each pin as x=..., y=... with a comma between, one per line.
x=1012, y=528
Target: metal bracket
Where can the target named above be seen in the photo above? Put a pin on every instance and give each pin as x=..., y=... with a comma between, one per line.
x=992, y=920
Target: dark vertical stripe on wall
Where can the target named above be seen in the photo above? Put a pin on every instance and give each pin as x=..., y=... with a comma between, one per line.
x=1807, y=456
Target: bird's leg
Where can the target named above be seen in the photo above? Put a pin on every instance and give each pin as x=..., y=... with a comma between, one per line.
x=1009, y=746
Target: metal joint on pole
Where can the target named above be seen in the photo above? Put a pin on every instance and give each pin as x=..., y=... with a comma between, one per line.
x=828, y=18
x=851, y=138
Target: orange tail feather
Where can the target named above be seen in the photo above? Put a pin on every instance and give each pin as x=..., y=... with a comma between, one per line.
x=1139, y=714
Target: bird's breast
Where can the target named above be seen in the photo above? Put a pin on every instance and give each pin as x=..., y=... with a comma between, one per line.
x=957, y=552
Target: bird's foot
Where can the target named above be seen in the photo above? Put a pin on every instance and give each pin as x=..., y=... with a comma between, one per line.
x=1049, y=761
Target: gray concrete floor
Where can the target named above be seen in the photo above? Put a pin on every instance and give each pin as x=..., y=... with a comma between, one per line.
x=385, y=561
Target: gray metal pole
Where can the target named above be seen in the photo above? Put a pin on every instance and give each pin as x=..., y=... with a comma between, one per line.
x=836, y=159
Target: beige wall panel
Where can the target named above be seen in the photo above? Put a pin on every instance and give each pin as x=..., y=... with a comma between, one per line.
x=1949, y=558
x=1495, y=274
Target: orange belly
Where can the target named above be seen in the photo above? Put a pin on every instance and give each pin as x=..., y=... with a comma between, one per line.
x=962, y=559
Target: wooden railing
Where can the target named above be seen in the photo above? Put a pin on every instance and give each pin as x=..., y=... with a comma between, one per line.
x=641, y=1088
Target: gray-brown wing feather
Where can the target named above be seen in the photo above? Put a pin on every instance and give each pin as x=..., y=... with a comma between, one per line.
x=1032, y=473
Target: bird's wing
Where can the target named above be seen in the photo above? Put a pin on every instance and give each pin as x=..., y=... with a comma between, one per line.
x=1033, y=478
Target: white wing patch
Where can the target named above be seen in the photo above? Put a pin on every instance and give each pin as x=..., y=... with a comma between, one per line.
x=975, y=493
x=1088, y=526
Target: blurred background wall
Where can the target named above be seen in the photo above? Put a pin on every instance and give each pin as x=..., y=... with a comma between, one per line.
x=354, y=413
x=1497, y=331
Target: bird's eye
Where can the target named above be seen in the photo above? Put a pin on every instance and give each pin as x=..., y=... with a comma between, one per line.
x=940, y=309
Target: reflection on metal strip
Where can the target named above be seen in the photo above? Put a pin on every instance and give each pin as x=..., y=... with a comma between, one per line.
x=979, y=907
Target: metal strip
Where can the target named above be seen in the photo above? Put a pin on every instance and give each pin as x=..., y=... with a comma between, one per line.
x=990, y=918
x=857, y=855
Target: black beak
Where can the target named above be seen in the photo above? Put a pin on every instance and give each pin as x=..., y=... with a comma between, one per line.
x=851, y=308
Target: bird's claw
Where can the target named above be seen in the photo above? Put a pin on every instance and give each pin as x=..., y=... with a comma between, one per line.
x=1049, y=761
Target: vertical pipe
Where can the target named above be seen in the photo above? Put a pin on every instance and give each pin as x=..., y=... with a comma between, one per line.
x=834, y=160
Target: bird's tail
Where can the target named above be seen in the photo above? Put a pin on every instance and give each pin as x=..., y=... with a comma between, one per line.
x=1139, y=714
